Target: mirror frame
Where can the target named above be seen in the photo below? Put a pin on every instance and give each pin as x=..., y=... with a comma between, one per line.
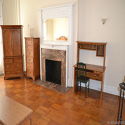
x=64, y=11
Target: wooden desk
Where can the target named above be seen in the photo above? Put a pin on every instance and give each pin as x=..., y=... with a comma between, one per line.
x=94, y=72
x=12, y=112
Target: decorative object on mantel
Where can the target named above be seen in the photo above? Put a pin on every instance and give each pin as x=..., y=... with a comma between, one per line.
x=62, y=38
x=121, y=104
x=52, y=86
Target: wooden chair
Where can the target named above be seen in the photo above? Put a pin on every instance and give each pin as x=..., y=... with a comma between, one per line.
x=81, y=77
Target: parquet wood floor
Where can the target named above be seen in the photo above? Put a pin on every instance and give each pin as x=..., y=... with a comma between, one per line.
x=54, y=108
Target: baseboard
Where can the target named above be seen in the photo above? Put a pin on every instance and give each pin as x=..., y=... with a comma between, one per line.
x=95, y=85
x=107, y=89
x=111, y=89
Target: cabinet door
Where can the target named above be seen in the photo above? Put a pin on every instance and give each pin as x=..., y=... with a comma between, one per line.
x=8, y=65
x=17, y=42
x=18, y=65
x=13, y=66
x=7, y=42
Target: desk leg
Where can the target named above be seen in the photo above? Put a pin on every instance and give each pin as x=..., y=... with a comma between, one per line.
x=102, y=87
x=75, y=84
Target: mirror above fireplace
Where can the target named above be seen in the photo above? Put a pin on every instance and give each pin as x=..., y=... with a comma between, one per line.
x=57, y=25
x=56, y=29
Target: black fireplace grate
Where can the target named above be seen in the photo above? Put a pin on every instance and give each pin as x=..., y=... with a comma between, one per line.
x=53, y=71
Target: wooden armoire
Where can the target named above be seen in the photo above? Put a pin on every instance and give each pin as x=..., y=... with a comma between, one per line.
x=12, y=47
x=32, y=46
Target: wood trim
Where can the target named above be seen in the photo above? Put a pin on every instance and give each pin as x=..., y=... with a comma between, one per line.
x=104, y=56
x=77, y=52
x=97, y=43
x=11, y=26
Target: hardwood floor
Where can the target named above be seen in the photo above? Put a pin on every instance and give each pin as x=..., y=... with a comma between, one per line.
x=54, y=108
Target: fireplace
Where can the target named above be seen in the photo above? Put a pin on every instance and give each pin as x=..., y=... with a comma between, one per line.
x=53, y=64
x=53, y=71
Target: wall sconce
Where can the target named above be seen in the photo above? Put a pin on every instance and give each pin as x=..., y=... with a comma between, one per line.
x=104, y=20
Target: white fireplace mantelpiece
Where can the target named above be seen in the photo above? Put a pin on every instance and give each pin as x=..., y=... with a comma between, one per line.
x=52, y=13
x=69, y=11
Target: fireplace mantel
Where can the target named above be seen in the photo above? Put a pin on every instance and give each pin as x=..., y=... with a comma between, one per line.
x=68, y=47
x=55, y=47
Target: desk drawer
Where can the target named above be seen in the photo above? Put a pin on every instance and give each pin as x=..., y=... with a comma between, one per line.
x=95, y=75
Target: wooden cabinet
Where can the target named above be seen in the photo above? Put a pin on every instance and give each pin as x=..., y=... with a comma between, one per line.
x=32, y=46
x=12, y=47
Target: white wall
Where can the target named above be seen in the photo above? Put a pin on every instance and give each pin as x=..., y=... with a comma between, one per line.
x=11, y=14
x=1, y=15
x=31, y=13
x=1, y=45
x=113, y=32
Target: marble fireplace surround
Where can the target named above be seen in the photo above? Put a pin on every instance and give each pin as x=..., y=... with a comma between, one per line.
x=56, y=55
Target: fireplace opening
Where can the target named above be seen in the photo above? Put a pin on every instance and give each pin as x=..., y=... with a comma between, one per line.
x=53, y=71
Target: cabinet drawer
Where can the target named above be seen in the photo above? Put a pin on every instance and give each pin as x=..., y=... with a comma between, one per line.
x=29, y=48
x=29, y=42
x=9, y=67
x=8, y=60
x=29, y=66
x=13, y=68
x=18, y=60
x=29, y=60
x=29, y=53
x=18, y=67
x=29, y=73
x=29, y=69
